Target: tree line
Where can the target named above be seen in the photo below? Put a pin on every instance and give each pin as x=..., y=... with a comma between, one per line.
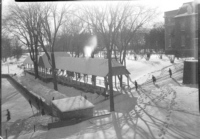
x=10, y=48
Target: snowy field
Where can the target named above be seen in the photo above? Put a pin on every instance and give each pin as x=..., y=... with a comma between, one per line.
x=166, y=110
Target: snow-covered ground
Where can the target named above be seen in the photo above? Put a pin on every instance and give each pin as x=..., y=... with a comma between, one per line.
x=166, y=110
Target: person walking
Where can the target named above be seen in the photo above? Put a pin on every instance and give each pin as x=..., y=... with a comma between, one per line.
x=8, y=115
x=153, y=79
x=106, y=95
x=24, y=71
x=37, y=103
x=30, y=102
x=170, y=72
x=136, y=85
x=43, y=112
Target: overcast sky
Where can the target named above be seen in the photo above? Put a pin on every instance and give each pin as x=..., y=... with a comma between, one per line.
x=162, y=5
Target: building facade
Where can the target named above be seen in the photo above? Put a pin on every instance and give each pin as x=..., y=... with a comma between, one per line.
x=181, y=31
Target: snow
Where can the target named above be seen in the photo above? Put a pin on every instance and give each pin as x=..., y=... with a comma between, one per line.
x=23, y=117
x=166, y=110
x=40, y=90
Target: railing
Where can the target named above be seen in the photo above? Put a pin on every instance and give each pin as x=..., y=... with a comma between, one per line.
x=86, y=85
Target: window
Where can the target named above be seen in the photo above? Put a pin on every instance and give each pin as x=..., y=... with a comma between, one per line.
x=182, y=25
x=169, y=20
x=182, y=41
x=170, y=42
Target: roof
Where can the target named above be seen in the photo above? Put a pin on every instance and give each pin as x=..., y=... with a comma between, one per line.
x=187, y=9
x=72, y=104
x=62, y=54
x=44, y=62
x=114, y=48
x=41, y=90
x=28, y=60
x=90, y=66
x=171, y=13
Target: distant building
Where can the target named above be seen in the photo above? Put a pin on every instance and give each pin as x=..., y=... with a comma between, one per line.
x=181, y=31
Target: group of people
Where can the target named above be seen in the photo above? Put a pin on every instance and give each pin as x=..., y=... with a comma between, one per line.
x=153, y=79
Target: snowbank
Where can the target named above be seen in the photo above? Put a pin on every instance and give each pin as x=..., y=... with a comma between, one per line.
x=42, y=91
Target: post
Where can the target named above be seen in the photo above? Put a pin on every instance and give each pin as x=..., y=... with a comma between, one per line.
x=105, y=83
x=110, y=80
x=87, y=78
x=128, y=80
x=115, y=82
x=8, y=68
x=84, y=77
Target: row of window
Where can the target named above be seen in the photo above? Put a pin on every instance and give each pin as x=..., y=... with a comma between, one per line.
x=183, y=41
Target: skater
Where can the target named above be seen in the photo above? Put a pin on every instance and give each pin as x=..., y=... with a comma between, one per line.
x=106, y=95
x=43, y=113
x=24, y=71
x=41, y=102
x=136, y=85
x=37, y=102
x=30, y=102
x=153, y=79
x=8, y=115
x=135, y=57
x=170, y=72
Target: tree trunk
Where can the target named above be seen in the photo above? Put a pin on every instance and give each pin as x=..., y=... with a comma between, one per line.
x=54, y=72
x=110, y=80
x=120, y=80
x=36, y=69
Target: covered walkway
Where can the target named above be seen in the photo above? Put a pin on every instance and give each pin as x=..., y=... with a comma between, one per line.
x=87, y=74
x=78, y=71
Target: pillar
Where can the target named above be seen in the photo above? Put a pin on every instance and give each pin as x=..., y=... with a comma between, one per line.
x=128, y=80
x=106, y=83
x=76, y=77
x=115, y=81
x=190, y=72
x=94, y=80
x=84, y=76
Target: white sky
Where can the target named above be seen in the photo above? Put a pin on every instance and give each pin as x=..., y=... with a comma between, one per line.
x=162, y=5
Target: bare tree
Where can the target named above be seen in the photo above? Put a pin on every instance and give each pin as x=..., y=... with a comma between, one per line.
x=5, y=47
x=105, y=22
x=117, y=26
x=135, y=18
x=23, y=21
x=52, y=19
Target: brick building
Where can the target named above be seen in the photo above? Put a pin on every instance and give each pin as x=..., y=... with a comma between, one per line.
x=181, y=31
